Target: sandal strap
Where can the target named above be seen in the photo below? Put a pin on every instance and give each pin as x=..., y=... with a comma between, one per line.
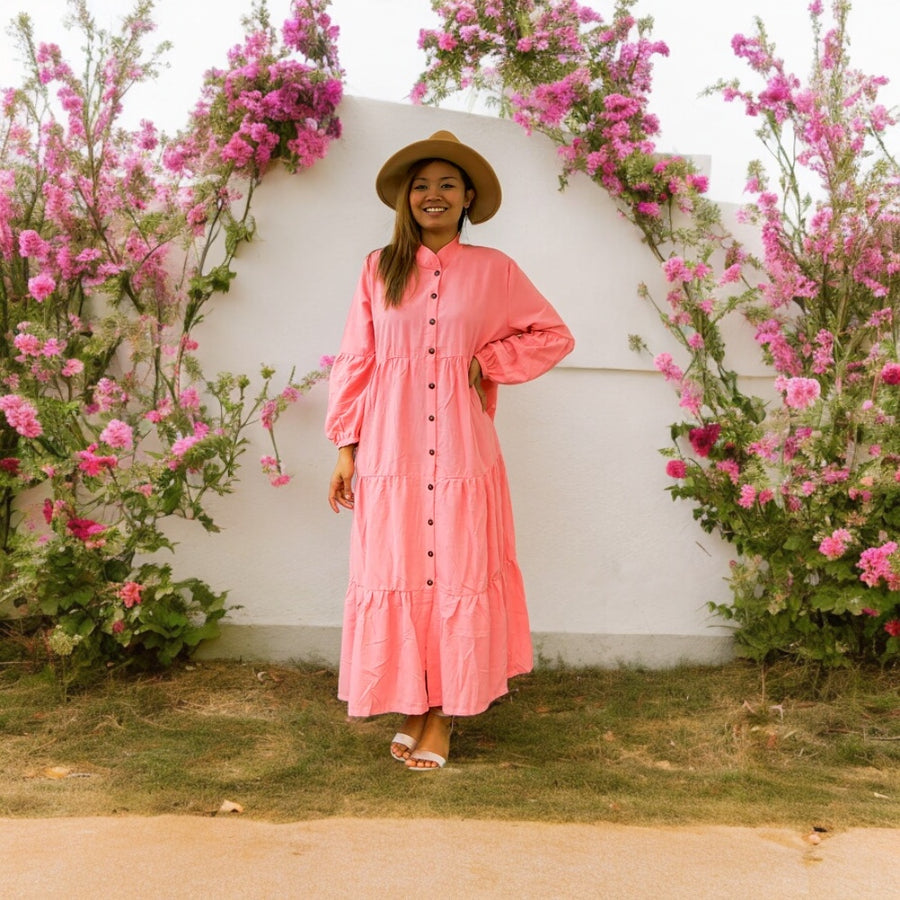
x=428, y=756
x=405, y=740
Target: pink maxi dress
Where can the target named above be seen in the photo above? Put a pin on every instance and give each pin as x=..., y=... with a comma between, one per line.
x=435, y=609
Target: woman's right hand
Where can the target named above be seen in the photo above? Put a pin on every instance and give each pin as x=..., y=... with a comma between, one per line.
x=340, y=490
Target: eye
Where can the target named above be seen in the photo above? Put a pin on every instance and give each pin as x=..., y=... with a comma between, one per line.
x=448, y=186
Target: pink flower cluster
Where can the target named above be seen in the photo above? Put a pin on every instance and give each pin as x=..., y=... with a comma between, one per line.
x=181, y=446
x=21, y=415
x=92, y=464
x=117, y=434
x=586, y=82
x=86, y=530
x=799, y=393
x=875, y=563
x=664, y=364
x=130, y=593
x=272, y=467
x=266, y=106
x=835, y=546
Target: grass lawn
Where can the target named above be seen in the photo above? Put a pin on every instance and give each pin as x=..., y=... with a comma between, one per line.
x=732, y=745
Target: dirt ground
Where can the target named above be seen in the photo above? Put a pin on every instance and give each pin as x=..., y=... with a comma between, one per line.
x=228, y=856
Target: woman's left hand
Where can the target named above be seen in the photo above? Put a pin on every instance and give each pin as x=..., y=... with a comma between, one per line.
x=475, y=382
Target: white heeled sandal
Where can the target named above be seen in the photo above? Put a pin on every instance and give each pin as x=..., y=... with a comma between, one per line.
x=428, y=755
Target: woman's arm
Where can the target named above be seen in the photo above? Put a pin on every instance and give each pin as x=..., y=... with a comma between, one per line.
x=537, y=340
x=340, y=490
x=353, y=367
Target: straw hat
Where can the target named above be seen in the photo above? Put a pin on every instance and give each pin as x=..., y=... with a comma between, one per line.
x=443, y=145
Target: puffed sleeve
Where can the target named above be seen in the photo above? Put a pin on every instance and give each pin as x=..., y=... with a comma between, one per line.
x=537, y=339
x=353, y=367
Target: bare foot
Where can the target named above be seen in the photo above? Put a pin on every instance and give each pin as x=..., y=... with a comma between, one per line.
x=412, y=728
x=435, y=741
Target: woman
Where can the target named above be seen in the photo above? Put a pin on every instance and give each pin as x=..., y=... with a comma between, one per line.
x=435, y=619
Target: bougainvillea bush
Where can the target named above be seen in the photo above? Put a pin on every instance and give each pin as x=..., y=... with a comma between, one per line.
x=806, y=487
x=112, y=244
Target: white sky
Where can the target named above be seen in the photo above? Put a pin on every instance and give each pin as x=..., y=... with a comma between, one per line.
x=378, y=51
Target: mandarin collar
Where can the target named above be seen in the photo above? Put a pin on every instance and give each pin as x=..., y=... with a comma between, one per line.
x=428, y=259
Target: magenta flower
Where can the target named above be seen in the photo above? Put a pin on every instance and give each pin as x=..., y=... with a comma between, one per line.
x=875, y=563
x=10, y=465
x=92, y=464
x=84, y=529
x=890, y=373
x=731, y=275
x=182, y=445
x=676, y=269
x=747, y=497
x=31, y=244
x=53, y=347
x=676, y=468
x=704, y=439
x=648, y=208
x=268, y=414
x=41, y=287
x=892, y=627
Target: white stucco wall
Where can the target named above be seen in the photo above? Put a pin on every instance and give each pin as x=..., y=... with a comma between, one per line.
x=615, y=571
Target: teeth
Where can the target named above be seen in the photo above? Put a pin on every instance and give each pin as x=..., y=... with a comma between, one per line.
x=435, y=209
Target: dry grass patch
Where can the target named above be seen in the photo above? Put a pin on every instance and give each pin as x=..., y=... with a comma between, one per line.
x=728, y=745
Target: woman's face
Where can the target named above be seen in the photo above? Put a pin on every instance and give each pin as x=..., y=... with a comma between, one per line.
x=437, y=197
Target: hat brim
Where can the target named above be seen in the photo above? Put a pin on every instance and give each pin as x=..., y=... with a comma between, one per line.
x=485, y=181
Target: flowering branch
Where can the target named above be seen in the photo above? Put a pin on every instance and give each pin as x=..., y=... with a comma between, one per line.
x=112, y=244
x=820, y=466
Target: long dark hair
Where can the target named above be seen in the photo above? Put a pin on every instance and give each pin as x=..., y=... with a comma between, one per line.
x=397, y=262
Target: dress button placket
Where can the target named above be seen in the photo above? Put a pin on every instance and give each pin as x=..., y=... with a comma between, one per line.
x=431, y=425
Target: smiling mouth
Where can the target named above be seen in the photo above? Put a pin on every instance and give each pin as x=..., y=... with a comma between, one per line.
x=436, y=209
